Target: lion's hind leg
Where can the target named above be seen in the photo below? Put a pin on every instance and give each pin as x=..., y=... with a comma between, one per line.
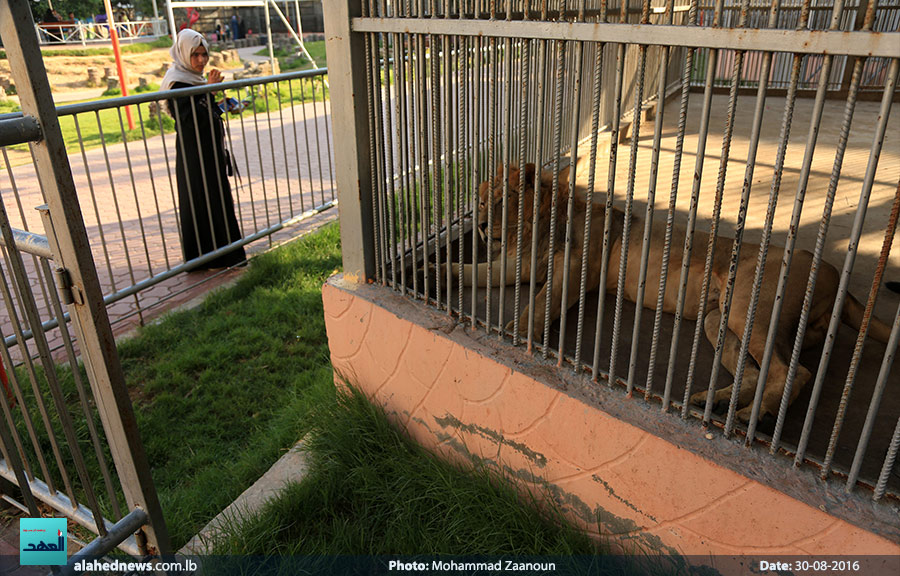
x=731, y=349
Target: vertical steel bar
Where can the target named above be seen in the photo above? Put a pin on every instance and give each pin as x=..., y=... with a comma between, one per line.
x=890, y=351
x=856, y=233
x=520, y=218
x=712, y=61
x=589, y=199
x=538, y=188
x=249, y=175
x=262, y=170
x=162, y=234
x=390, y=172
x=112, y=187
x=296, y=143
x=82, y=396
x=475, y=148
x=216, y=143
x=437, y=193
x=889, y=459
x=284, y=150
x=554, y=192
x=610, y=197
x=820, y=239
x=490, y=173
x=137, y=204
x=651, y=200
x=767, y=231
x=670, y=216
x=272, y=148
x=570, y=208
x=504, y=219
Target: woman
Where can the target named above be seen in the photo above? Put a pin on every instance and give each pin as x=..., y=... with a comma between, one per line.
x=202, y=164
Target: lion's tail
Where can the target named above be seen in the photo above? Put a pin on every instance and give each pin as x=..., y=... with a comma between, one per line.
x=853, y=317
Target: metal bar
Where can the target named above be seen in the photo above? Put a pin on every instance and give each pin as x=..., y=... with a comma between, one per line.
x=764, y=244
x=271, y=147
x=32, y=377
x=284, y=148
x=162, y=234
x=520, y=217
x=112, y=186
x=541, y=89
x=889, y=458
x=802, y=41
x=59, y=502
x=570, y=208
x=855, y=234
x=82, y=395
x=296, y=143
x=670, y=217
x=165, y=147
x=19, y=130
x=887, y=360
x=554, y=191
x=137, y=204
x=789, y=391
x=249, y=175
x=30, y=243
x=712, y=61
x=629, y=201
x=607, y=223
x=589, y=199
x=115, y=535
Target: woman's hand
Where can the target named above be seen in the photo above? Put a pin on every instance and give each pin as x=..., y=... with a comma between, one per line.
x=215, y=76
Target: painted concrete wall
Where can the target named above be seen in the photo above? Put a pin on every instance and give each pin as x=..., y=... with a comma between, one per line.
x=458, y=399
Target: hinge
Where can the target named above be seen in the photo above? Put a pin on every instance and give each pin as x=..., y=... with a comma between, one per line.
x=70, y=293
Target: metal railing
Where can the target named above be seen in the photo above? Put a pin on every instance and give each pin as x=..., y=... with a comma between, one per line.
x=279, y=145
x=469, y=125
x=89, y=32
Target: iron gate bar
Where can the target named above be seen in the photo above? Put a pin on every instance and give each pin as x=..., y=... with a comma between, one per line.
x=843, y=287
x=19, y=130
x=670, y=216
x=871, y=44
x=881, y=382
x=72, y=251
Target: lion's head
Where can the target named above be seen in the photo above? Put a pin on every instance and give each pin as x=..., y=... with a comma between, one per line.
x=490, y=194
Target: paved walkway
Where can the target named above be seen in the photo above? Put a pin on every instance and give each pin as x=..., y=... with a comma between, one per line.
x=128, y=201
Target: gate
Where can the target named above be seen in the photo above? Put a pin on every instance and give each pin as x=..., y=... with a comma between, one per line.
x=51, y=462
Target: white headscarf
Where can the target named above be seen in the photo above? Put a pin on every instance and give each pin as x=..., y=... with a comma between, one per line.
x=180, y=70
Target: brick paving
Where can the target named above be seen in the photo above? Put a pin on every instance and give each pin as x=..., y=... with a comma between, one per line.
x=129, y=203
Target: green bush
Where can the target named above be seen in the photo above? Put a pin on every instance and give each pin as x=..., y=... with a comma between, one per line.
x=148, y=88
x=109, y=92
x=152, y=123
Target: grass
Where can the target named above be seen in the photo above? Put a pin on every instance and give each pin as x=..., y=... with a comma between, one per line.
x=371, y=490
x=223, y=390
x=220, y=392
x=288, y=59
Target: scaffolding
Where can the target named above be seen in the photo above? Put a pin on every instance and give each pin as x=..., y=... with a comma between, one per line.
x=297, y=34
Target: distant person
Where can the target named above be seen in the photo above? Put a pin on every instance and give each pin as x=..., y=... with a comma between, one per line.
x=207, y=218
x=50, y=17
x=235, y=30
x=242, y=32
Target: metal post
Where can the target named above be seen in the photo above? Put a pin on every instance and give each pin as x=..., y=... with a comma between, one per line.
x=269, y=37
x=173, y=31
x=346, y=62
x=72, y=249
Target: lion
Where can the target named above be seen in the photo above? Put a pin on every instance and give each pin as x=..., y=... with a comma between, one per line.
x=819, y=314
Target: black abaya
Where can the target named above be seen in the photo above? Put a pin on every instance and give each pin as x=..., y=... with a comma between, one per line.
x=206, y=206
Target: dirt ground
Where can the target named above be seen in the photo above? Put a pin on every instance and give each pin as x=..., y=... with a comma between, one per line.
x=69, y=73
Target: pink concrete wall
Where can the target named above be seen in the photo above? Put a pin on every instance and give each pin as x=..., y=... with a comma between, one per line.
x=460, y=403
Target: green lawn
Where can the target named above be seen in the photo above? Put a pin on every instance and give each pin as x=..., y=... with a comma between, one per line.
x=221, y=391
x=288, y=59
x=371, y=490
